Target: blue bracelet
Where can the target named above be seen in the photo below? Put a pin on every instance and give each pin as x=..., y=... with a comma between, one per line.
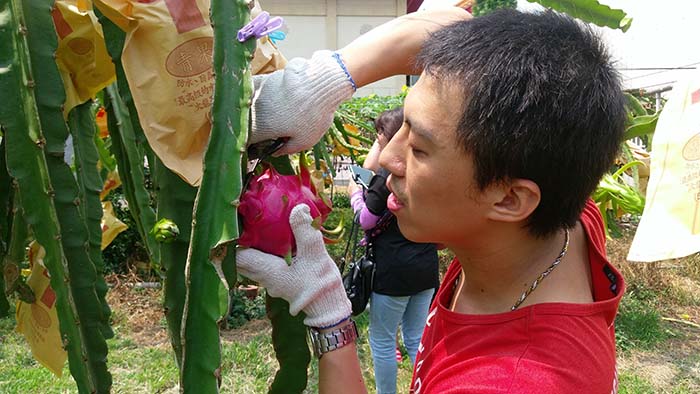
x=333, y=325
x=336, y=55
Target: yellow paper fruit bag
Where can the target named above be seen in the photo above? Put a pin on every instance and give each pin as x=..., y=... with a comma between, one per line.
x=111, y=226
x=81, y=56
x=38, y=322
x=112, y=182
x=167, y=61
x=670, y=225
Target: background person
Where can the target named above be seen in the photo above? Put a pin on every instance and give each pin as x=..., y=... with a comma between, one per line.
x=406, y=273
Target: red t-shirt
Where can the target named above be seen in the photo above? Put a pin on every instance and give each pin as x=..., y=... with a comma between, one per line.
x=542, y=348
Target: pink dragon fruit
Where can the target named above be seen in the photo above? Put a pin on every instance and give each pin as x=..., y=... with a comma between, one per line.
x=265, y=207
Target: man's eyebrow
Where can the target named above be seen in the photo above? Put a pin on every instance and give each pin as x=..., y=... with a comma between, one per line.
x=420, y=131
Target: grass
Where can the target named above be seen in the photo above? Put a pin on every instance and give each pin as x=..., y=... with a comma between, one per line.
x=247, y=359
x=633, y=384
x=638, y=324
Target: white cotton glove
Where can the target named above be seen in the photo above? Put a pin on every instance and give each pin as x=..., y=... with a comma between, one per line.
x=298, y=102
x=312, y=282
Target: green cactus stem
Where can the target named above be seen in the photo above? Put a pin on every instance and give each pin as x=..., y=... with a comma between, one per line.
x=215, y=220
x=288, y=332
x=291, y=349
x=79, y=209
x=129, y=143
x=10, y=279
x=130, y=163
x=114, y=40
x=26, y=163
x=4, y=304
x=18, y=238
x=77, y=201
x=176, y=202
x=84, y=283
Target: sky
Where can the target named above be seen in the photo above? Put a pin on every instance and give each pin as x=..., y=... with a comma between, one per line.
x=664, y=33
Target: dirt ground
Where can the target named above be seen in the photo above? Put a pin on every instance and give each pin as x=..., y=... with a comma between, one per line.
x=139, y=312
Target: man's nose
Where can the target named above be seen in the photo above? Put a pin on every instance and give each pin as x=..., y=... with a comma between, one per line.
x=392, y=156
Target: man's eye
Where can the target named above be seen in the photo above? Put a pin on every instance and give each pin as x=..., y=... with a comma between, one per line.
x=416, y=151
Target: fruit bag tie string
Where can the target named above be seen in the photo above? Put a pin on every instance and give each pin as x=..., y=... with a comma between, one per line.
x=260, y=26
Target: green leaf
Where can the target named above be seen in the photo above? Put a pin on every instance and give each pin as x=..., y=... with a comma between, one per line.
x=641, y=125
x=590, y=11
x=634, y=106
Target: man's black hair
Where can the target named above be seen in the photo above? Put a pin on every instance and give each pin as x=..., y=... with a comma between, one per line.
x=389, y=122
x=541, y=101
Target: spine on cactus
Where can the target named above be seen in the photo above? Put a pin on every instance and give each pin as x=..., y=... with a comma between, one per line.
x=175, y=202
x=26, y=163
x=215, y=222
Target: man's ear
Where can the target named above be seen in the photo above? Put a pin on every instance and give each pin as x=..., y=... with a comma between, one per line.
x=514, y=200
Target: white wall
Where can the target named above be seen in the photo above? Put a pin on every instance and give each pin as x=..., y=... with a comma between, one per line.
x=351, y=27
x=304, y=35
x=331, y=24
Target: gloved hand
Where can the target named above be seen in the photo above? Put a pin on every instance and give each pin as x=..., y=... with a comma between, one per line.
x=299, y=101
x=312, y=282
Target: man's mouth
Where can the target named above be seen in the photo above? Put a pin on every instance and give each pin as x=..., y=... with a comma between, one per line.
x=393, y=202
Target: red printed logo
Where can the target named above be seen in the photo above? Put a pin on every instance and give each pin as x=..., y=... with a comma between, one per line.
x=49, y=297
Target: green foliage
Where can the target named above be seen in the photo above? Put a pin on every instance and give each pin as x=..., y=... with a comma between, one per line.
x=346, y=215
x=361, y=111
x=128, y=245
x=615, y=198
x=341, y=200
x=243, y=309
x=484, y=7
x=638, y=324
x=590, y=11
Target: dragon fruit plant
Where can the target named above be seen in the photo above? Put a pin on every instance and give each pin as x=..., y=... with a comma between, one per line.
x=266, y=204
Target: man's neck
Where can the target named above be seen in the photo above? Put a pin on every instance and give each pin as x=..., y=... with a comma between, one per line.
x=497, y=270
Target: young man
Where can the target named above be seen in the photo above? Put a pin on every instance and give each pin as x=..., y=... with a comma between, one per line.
x=512, y=123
